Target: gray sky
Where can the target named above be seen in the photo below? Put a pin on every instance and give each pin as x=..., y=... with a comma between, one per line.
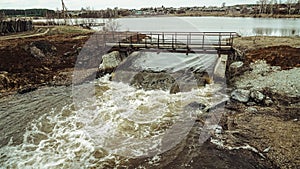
x=103, y=4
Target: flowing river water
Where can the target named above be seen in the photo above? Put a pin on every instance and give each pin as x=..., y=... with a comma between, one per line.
x=110, y=124
x=115, y=124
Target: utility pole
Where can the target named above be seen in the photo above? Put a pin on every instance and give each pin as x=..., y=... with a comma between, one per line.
x=65, y=14
x=64, y=10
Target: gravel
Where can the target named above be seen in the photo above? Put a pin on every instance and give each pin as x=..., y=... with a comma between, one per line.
x=266, y=76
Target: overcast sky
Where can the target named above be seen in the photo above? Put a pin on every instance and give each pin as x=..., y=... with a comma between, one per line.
x=103, y=4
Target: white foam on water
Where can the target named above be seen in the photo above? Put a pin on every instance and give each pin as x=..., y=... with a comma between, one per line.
x=121, y=123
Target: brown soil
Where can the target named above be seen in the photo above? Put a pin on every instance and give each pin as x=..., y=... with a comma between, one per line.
x=277, y=51
x=24, y=71
x=284, y=56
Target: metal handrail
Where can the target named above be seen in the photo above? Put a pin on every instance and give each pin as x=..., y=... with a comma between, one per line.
x=173, y=39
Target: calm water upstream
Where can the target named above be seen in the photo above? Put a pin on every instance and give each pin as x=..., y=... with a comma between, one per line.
x=245, y=26
x=107, y=124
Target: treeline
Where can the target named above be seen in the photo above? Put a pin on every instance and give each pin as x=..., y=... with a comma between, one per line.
x=26, y=12
x=107, y=13
x=15, y=26
x=291, y=7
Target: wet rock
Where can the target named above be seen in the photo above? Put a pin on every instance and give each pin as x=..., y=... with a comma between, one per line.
x=257, y=96
x=202, y=78
x=241, y=95
x=151, y=80
x=110, y=61
x=196, y=105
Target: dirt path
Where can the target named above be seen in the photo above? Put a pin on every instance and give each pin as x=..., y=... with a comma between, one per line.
x=38, y=32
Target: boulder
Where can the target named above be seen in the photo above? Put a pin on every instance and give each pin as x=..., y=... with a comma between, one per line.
x=110, y=61
x=36, y=52
x=41, y=49
x=240, y=95
x=257, y=96
x=196, y=106
x=151, y=80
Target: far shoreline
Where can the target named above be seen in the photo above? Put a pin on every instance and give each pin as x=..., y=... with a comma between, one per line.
x=280, y=16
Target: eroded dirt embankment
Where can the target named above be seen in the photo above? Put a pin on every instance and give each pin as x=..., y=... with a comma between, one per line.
x=264, y=110
x=49, y=59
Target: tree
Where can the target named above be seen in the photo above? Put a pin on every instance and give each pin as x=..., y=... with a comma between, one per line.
x=223, y=4
x=263, y=6
x=112, y=25
x=2, y=16
x=290, y=3
x=271, y=6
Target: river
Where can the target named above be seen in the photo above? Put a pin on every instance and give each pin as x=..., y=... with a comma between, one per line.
x=110, y=124
x=245, y=26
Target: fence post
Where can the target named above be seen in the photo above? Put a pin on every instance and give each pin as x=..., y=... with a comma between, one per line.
x=163, y=36
x=158, y=41
x=173, y=41
x=203, y=41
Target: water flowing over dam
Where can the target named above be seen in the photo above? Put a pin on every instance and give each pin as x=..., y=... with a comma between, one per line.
x=116, y=124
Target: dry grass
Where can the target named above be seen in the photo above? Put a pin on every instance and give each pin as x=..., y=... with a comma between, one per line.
x=257, y=42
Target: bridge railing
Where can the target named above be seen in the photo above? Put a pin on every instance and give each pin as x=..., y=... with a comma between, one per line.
x=171, y=40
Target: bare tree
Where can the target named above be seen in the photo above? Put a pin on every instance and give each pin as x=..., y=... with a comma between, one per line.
x=2, y=16
x=112, y=25
x=271, y=5
x=290, y=3
x=263, y=6
x=298, y=6
x=223, y=4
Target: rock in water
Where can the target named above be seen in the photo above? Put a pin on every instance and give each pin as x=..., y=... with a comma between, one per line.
x=241, y=95
x=197, y=106
x=151, y=80
x=110, y=61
